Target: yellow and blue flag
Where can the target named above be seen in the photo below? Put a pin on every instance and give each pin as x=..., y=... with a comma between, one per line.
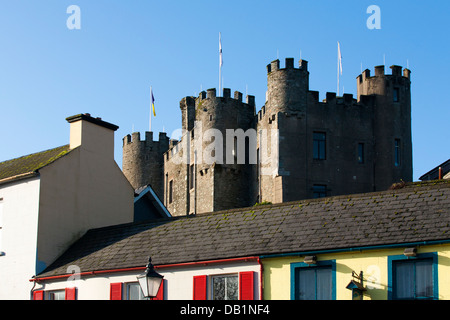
x=153, y=101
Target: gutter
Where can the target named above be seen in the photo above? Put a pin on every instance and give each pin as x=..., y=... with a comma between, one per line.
x=353, y=249
x=196, y=263
x=19, y=177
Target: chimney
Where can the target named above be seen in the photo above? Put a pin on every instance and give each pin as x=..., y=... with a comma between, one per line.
x=92, y=134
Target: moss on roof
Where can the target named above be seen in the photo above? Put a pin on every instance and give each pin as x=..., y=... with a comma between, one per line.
x=416, y=213
x=31, y=163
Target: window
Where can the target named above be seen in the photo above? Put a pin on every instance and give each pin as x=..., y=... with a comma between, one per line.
x=313, y=282
x=170, y=191
x=319, y=191
x=133, y=291
x=396, y=95
x=319, y=145
x=191, y=176
x=413, y=278
x=63, y=294
x=361, y=153
x=56, y=295
x=224, y=287
x=397, y=152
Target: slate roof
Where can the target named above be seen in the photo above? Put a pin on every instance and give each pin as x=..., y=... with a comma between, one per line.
x=408, y=213
x=29, y=164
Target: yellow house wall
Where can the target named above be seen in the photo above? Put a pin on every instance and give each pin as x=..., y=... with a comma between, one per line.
x=373, y=264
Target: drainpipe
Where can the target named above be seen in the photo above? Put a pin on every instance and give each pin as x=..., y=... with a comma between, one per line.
x=261, y=279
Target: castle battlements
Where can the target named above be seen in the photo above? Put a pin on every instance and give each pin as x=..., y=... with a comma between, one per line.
x=305, y=146
x=135, y=138
x=226, y=94
x=380, y=72
x=289, y=64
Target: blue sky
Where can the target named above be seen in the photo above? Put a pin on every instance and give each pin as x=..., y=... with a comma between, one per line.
x=49, y=72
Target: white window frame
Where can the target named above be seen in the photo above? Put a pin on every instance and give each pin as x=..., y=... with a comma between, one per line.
x=50, y=295
x=126, y=291
x=211, y=282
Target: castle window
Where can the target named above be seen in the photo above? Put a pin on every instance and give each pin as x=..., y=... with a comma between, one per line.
x=191, y=176
x=396, y=95
x=361, y=153
x=319, y=191
x=319, y=145
x=397, y=152
x=170, y=191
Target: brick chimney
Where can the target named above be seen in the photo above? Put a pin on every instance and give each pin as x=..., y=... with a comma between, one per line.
x=92, y=134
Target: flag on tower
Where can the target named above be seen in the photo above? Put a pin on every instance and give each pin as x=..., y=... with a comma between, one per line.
x=340, y=58
x=220, y=49
x=153, y=101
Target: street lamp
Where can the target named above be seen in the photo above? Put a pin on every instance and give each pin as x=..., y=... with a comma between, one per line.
x=150, y=280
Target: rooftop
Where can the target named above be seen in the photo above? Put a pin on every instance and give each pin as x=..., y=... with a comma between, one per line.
x=30, y=164
x=410, y=213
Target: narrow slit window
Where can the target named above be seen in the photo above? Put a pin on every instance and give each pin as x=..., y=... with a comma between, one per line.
x=170, y=191
x=361, y=153
x=319, y=145
x=397, y=153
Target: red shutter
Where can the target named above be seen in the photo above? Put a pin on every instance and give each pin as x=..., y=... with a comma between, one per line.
x=38, y=295
x=246, y=286
x=71, y=293
x=160, y=294
x=200, y=288
x=115, y=291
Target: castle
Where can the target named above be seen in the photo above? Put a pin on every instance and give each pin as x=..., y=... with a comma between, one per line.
x=295, y=147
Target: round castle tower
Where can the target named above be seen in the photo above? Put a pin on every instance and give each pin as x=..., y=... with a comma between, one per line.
x=143, y=161
x=287, y=88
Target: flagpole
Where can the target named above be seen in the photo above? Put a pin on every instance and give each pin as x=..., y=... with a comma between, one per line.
x=338, y=71
x=220, y=63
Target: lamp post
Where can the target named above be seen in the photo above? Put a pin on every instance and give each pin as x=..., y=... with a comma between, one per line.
x=150, y=281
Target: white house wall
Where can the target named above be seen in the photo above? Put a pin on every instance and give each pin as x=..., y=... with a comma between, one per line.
x=178, y=281
x=18, y=237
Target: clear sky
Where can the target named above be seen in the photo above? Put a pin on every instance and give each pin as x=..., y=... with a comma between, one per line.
x=49, y=72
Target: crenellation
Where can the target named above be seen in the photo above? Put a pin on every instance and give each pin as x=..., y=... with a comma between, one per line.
x=227, y=93
x=303, y=64
x=379, y=71
x=396, y=71
x=275, y=65
x=289, y=63
x=250, y=100
x=330, y=96
x=238, y=96
x=211, y=93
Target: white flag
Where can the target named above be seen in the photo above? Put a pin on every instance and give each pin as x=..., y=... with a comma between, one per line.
x=220, y=49
x=340, y=58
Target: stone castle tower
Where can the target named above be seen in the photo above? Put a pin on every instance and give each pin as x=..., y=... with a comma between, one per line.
x=295, y=147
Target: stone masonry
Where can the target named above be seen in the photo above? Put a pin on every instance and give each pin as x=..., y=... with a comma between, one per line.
x=295, y=147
